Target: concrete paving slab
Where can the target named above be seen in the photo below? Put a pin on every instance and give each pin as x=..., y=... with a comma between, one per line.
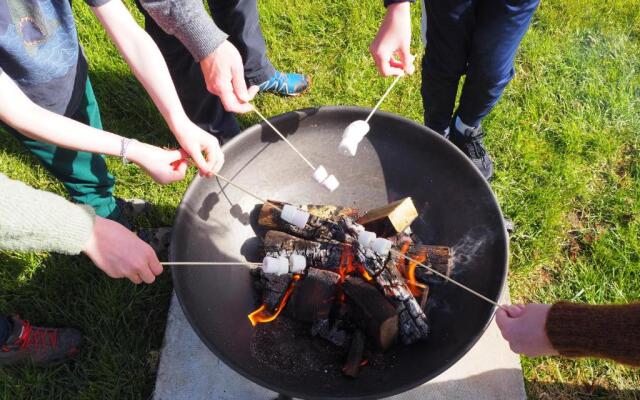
x=488, y=371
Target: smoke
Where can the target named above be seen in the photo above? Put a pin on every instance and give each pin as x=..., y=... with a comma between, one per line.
x=469, y=247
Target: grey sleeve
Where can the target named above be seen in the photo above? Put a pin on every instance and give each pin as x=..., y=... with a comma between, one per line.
x=189, y=22
x=35, y=220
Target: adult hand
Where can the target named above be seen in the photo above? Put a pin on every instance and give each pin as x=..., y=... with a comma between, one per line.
x=394, y=40
x=161, y=165
x=120, y=253
x=223, y=72
x=524, y=328
x=194, y=141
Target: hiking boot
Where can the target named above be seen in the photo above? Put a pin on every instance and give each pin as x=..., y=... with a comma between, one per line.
x=38, y=345
x=472, y=144
x=286, y=84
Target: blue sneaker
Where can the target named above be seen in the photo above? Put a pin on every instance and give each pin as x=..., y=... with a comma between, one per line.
x=286, y=84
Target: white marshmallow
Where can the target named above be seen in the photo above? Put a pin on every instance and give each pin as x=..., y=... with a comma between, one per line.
x=381, y=246
x=300, y=218
x=331, y=183
x=352, y=136
x=320, y=174
x=365, y=238
x=297, y=263
x=272, y=265
x=288, y=212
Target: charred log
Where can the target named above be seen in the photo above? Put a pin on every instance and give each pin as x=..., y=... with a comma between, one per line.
x=371, y=310
x=317, y=228
x=272, y=288
x=314, y=295
x=325, y=255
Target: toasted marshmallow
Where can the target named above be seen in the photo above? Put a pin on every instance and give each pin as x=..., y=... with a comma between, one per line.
x=272, y=265
x=288, y=212
x=320, y=174
x=331, y=183
x=352, y=136
x=300, y=218
x=381, y=246
x=365, y=238
x=297, y=263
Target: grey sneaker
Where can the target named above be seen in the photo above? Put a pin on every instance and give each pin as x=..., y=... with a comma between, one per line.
x=472, y=144
x=39, y=345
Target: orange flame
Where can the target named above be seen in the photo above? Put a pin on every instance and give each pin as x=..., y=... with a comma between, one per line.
x=262, y=316
x=411, y=273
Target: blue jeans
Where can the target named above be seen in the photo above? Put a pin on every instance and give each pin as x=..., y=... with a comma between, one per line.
x=476, y=38
x=5, y=330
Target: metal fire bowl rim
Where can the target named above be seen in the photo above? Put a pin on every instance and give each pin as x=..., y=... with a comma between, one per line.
x=397, y=389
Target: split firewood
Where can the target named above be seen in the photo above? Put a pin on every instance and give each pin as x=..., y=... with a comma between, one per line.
x=354, y=358
x=391, y=219
x=372, y=311
x=413, y=321
x=313, y=296
x=318, y=227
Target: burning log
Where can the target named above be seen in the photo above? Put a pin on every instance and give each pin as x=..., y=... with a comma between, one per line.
x=329, y=256
x=318, y=227
x=372, y=311
x=354, y=358
x=437, y=257
x=314, y=295
x=413, y=321
x=391, y=219
x=273, y=288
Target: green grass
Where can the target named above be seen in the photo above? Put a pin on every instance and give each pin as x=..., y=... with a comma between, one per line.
x=565, y=137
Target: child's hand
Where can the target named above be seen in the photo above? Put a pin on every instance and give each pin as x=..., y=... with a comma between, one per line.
x=163, y=166
x=393, y=40
x=194, y=141
x=223, y=72
x=524, y=328
x=120, y=253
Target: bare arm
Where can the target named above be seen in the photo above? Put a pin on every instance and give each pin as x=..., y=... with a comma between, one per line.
x=148, y=65
x=19, y=112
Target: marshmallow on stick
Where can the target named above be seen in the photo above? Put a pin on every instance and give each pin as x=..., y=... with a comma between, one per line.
x=357, y=130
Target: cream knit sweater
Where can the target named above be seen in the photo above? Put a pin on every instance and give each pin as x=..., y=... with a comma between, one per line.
x=35, y=220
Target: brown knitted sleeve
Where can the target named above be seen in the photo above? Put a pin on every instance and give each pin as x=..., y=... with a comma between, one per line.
x=608, y=331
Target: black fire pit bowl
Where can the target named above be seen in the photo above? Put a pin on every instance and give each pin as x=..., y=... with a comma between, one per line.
x=398, y=158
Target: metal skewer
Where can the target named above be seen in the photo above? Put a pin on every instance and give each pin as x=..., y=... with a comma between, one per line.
x=235, y=185
x=207, y=263
x=384, y=96
x=468, y=289
x=283, y=137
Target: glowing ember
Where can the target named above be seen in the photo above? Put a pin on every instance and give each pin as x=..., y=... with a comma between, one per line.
x=262, y=316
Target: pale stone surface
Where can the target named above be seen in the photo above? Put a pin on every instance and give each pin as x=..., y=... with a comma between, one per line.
x=488, y=371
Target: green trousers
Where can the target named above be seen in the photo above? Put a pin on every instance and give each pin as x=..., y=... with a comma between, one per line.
x=84, y=175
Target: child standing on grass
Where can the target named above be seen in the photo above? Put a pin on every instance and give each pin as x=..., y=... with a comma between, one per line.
x=40, y=56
